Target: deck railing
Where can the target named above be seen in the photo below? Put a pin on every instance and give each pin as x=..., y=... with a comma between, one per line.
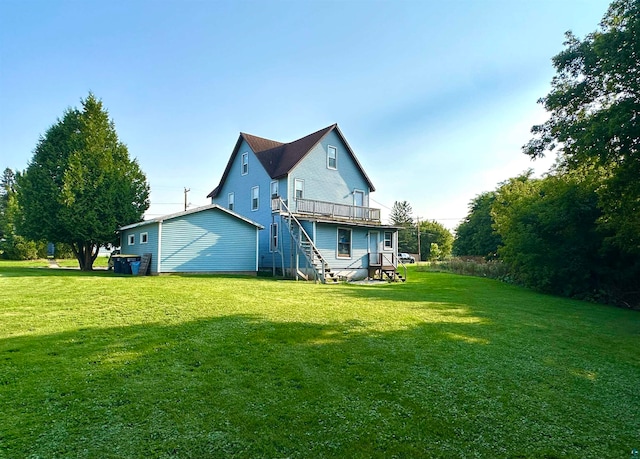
x=331, y=210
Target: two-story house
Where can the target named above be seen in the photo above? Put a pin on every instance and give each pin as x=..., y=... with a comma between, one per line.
x=312, y=196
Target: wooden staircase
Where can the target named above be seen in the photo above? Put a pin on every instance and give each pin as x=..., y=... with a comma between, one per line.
x=315, y=259
x=383, y=267
x=321, y=270
x=393, y=275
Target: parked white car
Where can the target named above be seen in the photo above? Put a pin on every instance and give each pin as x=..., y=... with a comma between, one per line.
x=406, y=258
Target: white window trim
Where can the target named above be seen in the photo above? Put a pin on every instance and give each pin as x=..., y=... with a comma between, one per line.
x=364, y=196
x=384, y=241
x=295, y=182
x=343, y=257
x=329, y=148
x=257, y=198
x=144, y=238
x=244, y=161
x=131, y=239
x=277, y=186
x=231, y=201
x=273, y=247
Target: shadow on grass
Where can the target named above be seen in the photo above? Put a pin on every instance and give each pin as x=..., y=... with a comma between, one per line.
x=244, y=386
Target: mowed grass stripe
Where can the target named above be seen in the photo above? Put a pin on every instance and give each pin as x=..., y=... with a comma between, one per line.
x=98, y=365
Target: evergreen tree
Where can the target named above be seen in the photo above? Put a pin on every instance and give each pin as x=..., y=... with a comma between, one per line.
x=402, y=216
x=81, y=185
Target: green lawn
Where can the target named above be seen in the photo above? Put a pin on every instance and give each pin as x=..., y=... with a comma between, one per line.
x=97, y=365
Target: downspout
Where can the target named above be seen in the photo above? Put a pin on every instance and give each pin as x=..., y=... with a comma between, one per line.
x=280, y=239
x=273, y=249
x=257, y=246
x=159, y=269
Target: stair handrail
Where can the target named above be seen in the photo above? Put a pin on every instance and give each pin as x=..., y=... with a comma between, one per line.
x=306, y=235
x=398, y=261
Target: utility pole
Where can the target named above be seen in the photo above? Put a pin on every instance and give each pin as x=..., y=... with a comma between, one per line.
x=418, y=227
x=186, y=190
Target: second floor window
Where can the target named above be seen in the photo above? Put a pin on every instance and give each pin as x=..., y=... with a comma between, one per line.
x=274, y=189
x=332, y=157
x=231, y=200
x=245, y=163
x=255, y=197
x=299, y=188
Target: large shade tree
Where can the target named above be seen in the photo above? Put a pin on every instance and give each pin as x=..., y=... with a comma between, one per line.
x=81, y=184
x=594, y=123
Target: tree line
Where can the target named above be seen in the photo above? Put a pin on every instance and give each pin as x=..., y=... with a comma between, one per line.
x=576, y=231
x=430, y=240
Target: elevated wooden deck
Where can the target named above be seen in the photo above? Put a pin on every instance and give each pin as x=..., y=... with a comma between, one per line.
x=328, y=210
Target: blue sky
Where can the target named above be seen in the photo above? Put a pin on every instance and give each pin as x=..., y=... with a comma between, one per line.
x=435, y=97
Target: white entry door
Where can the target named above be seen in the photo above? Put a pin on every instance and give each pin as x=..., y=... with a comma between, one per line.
x=358, y=202
x=374, y=246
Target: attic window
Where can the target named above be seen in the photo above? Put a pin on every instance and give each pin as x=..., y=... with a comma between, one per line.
x=332, y=157
x=245, y=163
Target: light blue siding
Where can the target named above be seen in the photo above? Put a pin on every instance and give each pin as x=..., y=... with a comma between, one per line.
x=138, y=248
x=241, y=186
x=324, y=184
x=327, y=243
x=208, y=241
x=321, y=183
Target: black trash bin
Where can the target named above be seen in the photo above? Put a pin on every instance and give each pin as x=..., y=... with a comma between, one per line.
x=117, y=265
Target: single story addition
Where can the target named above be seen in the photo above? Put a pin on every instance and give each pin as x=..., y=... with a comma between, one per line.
x=208, y=239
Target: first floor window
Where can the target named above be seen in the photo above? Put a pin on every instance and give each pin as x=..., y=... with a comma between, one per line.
x=255, y=197
x=144, y=238
x=344, y=243
x=132, y=239
x=388, y=240
x=231, y=199
x=274, y=237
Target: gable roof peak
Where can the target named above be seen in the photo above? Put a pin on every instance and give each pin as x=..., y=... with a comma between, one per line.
x=278, y=158
x=259, y=144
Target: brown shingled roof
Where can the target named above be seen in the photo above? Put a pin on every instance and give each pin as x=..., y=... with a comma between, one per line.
x=259, y=144
x=279, y=158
